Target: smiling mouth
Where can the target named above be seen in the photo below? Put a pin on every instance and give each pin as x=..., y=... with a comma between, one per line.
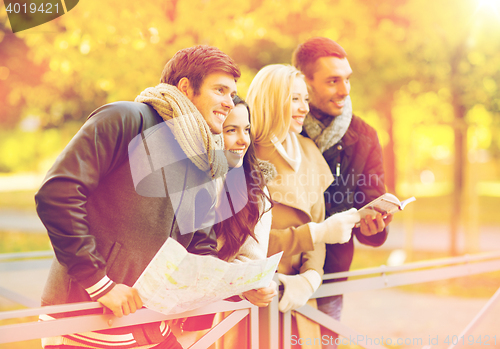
x=238, y=152
x=220, y=116
x=339, y=104
x=299, y=119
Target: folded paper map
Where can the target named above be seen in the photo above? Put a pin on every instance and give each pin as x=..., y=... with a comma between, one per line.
x=176, y=281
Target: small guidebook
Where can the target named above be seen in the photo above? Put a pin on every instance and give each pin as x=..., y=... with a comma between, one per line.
x=384, y=204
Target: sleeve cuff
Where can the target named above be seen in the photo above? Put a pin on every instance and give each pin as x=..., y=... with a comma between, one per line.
x=305, y=236
x=313, y=277
x=312, y=230
x=100, y=288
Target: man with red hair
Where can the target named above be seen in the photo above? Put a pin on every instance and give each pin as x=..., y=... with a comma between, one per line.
x=352, y=150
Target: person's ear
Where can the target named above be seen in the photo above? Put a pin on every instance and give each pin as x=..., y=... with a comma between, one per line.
x=184, y=85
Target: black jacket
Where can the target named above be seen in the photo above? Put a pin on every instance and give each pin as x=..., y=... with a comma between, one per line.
x=108, y=201
x=358, y=156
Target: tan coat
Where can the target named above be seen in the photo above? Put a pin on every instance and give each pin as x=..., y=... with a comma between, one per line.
x=298, y=198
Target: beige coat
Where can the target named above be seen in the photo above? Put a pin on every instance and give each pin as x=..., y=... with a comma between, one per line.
x=298, y=199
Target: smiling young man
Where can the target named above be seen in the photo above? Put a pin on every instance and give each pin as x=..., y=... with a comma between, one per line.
x=351, y=148
x=108, y=203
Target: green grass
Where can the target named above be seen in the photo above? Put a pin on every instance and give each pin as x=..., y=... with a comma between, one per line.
x=18, y=200
x=438, y=209
x=11, y=242
x=16, y=241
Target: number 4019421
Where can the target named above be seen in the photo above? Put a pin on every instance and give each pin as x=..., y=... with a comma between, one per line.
x=32, y=8
x=470, y=340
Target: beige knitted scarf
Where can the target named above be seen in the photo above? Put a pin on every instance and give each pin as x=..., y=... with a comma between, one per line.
x=189, y=128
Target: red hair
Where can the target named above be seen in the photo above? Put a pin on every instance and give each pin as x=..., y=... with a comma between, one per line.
x=305, y=55
x=195, y=63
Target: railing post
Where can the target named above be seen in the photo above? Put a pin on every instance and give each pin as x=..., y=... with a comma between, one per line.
x=286, y=329
x=495, y=298
x=383, y=267
x=269, y=326
x=253, y=327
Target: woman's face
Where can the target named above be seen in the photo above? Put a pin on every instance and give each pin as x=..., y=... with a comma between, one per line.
x=236, y=132
x=300, y=104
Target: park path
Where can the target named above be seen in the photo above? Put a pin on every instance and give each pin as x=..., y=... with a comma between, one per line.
x=416, y=319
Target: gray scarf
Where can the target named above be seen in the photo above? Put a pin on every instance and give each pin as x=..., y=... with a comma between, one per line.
x=327, y=136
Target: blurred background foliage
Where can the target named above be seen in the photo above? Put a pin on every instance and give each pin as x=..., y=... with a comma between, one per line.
x=426, y=75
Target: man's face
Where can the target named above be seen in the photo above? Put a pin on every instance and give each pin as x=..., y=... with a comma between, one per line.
x=330, y=85
x=215, y=99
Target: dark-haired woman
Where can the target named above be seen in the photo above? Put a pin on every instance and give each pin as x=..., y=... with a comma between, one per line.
x=244, y=215
x=244, y=234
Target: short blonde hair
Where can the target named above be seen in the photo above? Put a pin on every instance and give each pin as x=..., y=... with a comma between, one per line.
x=270, y=99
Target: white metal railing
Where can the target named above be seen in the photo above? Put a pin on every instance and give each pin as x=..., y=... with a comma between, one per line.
x=267, y=327
x=407, y=274
x=35, y=330
x=20, y=255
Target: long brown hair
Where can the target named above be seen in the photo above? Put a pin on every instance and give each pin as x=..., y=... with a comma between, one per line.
x=240, y=225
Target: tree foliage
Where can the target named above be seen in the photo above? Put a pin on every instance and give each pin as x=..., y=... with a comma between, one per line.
x=417, y=63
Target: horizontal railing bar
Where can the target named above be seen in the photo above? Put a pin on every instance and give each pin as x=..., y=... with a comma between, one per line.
x=79, y=324
x=18, y=255
x=53, y=309
x=414, y=265
x=474, y=264
x=18, y=298
x=407, y=278
x=65, y=308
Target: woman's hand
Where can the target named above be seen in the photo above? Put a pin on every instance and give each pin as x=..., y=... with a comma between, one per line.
x=263, y=296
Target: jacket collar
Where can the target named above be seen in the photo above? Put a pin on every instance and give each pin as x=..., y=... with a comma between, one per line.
x=351, y=136
x=294, y=188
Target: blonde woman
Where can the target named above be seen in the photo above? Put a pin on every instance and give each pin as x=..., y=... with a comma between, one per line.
x=278, y=99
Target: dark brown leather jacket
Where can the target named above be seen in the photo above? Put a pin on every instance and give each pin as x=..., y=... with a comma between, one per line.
x=358, y=157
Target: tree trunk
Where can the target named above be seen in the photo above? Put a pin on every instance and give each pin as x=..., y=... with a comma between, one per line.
x=458, y=185
x=460, y=133
x=388, y=152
